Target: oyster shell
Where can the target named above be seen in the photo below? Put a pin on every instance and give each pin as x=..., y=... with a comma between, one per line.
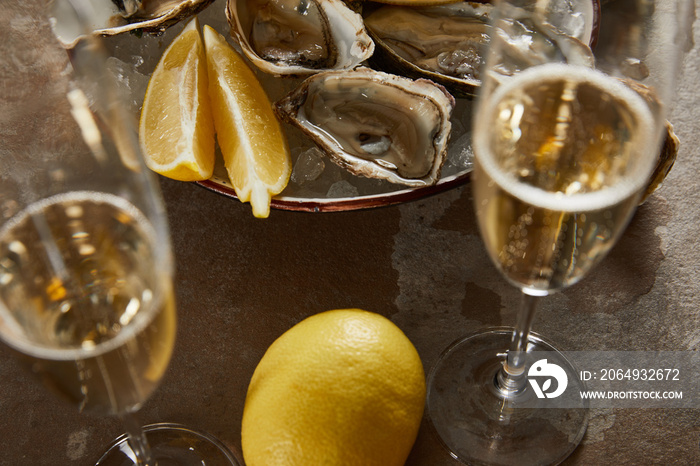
x=669, y=144
x=664, y=162
x=299, y=37
x=375, y=124
x=111, y=17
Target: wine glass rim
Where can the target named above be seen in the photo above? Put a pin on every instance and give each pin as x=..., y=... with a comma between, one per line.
x=12, y=333
x=173, y=427
x=644, y=138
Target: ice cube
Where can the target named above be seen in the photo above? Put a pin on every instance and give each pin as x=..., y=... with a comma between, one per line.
x=464, y=62
x=342, y=188
x=132, y=83
x=308, y=166
x=568, y=16
x=459, y=153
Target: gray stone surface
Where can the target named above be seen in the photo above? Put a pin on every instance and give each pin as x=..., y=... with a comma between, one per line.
x=241, y=282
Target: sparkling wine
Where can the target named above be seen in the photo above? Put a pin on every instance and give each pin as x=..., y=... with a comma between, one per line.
x=84, y=300
x=561, y=158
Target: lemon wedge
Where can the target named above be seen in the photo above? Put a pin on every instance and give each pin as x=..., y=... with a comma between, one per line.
x=254, y=148
x=176, y=129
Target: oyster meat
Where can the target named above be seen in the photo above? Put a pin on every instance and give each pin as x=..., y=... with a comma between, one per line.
x=111, y=17
x=375, y=124
x=299, y=37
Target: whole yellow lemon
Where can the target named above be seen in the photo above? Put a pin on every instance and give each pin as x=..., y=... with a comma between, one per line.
x=343, y=387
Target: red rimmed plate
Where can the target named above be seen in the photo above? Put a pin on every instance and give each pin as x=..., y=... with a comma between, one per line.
x=338, y=204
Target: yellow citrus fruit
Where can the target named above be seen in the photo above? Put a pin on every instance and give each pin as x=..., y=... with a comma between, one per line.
x=343, y=387
x=176, y=130
x=252, y=143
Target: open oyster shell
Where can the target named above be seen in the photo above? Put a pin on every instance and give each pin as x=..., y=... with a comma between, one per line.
x=111, y=17
x=375, y=124
x=299, y=37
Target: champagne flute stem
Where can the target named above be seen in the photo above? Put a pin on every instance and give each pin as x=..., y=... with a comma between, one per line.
x=137, y=440
x=511, y=379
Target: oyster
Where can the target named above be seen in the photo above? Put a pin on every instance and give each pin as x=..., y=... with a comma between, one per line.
x=299, y=37
x=443, y=43
x=111, y=17
x=447, y=43
x=375, y=124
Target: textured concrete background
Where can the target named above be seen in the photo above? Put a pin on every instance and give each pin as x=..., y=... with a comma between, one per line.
x=241, y=282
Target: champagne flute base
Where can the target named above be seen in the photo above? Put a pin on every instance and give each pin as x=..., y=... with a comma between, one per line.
x=172, y=445
x=481, y=424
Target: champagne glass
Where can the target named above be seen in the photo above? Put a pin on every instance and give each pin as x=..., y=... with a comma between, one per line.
x=86, y=292
x=566, y=136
